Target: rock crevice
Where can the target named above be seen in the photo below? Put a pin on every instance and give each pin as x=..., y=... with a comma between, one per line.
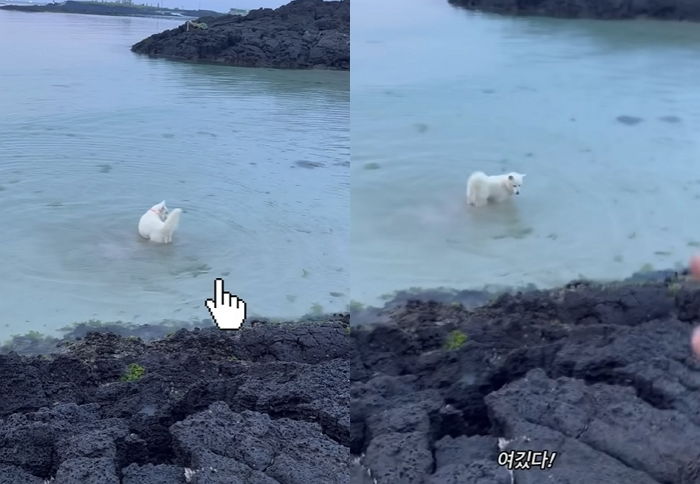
x=267, y=404
x=601, y=374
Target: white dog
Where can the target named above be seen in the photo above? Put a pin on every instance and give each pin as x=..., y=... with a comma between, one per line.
x=482, y=188
x=158, y=225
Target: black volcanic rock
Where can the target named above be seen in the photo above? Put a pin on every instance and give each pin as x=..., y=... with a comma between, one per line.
x=256, y=448
x=602, y=374
x=304, y=34
x=598, y=9
x=266, y=404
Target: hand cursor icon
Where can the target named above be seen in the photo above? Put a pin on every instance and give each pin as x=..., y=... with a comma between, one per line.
x=227, y=310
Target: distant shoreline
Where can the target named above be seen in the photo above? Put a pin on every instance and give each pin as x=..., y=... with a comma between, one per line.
x=113, y=9
x=588, y=9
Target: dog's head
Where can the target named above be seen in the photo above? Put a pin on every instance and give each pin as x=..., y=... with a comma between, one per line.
x=160, y=209
x=513, y=181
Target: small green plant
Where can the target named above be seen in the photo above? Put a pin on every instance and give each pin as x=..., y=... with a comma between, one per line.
x=673, y=288
x=455, y=340
x=134, y=372
x=355, y=306
x=316, y=309
x=646, y=268
x=347, y=330
x=33, y=335
x=232, y=358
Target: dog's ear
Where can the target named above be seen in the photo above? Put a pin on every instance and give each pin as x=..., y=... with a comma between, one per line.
x=510, y=177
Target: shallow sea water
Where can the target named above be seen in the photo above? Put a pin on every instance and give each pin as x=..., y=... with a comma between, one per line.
x=92, y=135
x=602, y=116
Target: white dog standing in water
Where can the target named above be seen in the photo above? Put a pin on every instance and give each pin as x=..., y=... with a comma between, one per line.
x=158, y=225
x=482, y=188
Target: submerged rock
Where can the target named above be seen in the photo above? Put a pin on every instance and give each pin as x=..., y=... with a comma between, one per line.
x=304, y=34
x=267, y=404
x=629, y=120
x=602, y=374
x=599, y=9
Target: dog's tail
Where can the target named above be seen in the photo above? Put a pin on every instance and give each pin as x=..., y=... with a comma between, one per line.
x=477, y=175
x=474, y=187
x=172, y=221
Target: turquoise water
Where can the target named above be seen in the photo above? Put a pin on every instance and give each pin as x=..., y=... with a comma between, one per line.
x=603, y=117
x=92, y=135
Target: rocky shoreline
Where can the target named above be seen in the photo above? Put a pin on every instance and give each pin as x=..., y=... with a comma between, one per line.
x=267, y=404
x=304, y=34
x=601, y=374
x=593, y=9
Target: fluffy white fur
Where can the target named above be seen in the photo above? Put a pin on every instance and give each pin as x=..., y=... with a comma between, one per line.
x=482, y=188
x=158, y=224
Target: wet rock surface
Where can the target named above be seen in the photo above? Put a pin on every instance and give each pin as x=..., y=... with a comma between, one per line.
x=597, y=9
x=603, y=375
x=303, y=34
x=267, y=404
